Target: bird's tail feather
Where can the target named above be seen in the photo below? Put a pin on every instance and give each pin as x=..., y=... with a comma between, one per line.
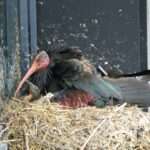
x=133, y=91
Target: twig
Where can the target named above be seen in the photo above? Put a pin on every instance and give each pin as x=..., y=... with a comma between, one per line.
x=26, y=140
x=21, y=101
x=99, y=125
x=120, y=107
x=92, y=134
x=144, y=117
x=3, y=131
x=8, y=141
x=2, y=123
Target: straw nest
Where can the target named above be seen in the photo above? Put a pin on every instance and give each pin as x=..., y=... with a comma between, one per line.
x=44, y=125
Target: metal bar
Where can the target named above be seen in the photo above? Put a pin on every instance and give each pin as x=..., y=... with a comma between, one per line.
x=32, y=26
x=2, y=37
x=24, y=35
x=148, y=34
x=12, y=36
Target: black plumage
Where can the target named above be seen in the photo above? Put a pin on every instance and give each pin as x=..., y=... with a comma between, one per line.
x=69, y=71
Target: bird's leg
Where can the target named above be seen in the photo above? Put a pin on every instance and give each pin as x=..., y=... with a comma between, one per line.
x=34, y=92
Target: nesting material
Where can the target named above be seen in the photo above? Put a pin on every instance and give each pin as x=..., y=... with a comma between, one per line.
x=42, y=126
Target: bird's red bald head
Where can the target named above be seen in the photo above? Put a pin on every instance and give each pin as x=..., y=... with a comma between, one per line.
x=40, y=62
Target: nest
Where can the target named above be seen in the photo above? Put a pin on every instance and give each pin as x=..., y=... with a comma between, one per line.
x=42, y=126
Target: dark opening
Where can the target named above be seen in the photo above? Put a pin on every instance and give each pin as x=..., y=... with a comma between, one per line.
x=111, y=32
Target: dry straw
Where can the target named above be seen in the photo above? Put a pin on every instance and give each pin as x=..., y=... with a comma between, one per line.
x=43, y=125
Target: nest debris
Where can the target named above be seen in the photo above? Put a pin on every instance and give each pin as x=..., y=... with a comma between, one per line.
x=42, y=126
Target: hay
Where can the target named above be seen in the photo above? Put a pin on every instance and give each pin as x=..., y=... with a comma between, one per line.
x=41, y=126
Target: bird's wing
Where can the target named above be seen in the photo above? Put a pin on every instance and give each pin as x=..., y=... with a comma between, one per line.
x=81, y=75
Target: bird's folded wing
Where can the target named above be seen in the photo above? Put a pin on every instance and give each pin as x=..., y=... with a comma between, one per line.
x=81, y=75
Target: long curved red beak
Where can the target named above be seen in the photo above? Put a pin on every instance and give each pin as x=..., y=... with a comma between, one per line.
x=27, y=75
x=41, y=61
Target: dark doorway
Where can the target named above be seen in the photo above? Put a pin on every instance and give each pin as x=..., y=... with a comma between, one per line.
x=111, y=32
